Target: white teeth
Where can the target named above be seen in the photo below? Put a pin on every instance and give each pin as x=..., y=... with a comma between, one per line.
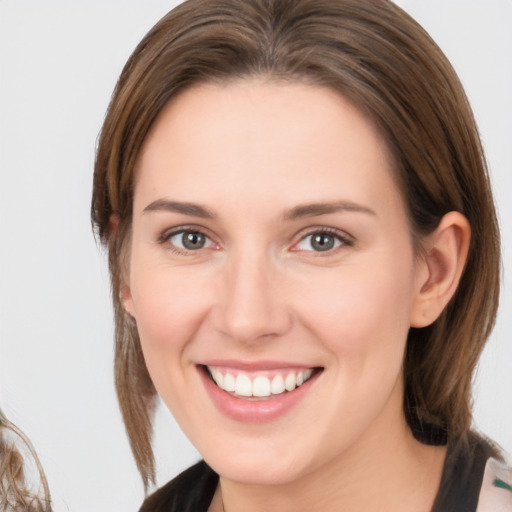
x=261, y=386
x=243, y=385
x=229, y=383
x=218, y=378
x=277, y=385
x=290, y=382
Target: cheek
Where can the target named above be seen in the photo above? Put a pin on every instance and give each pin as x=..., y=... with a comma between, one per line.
x=362, y=319
x=169, y=308
x=362, y=316
x=361, y=301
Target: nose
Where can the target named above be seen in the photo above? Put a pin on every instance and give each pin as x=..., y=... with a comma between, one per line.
x=252, y=304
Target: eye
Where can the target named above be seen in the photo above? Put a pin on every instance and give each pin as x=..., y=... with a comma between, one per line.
x=322, y=241
x=189, y=240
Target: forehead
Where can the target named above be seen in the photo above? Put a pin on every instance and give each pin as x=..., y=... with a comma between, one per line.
x=271, y=104
x=291, y=141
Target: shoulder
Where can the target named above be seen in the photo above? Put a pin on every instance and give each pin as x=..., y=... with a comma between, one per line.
x=190, y=491
x=473, y=479
x=496, y=490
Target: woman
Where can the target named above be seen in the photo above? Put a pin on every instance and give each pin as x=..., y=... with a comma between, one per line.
x=304, y=256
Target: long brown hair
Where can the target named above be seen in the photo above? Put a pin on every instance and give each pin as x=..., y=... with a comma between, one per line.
x=374, y=54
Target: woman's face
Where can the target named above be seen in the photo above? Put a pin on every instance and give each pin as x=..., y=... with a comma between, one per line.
x=271, y=250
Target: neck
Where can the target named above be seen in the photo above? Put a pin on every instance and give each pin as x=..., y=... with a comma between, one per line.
x=396, y=474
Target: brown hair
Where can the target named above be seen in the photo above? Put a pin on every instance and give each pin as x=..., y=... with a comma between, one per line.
x=378, y=57
x=15, y=495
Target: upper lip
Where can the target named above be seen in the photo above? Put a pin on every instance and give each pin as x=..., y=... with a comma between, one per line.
x=254, y=366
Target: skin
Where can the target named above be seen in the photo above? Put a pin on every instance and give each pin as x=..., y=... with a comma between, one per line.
x=251, y=152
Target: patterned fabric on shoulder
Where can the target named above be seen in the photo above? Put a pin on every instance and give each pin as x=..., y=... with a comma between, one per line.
x=496, y=491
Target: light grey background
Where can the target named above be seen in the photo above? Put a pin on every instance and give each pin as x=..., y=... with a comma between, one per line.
x=59, y=61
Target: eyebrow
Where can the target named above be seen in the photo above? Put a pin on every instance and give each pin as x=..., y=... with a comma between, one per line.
x=297, y=212
x=315, y=209
x=193, y=209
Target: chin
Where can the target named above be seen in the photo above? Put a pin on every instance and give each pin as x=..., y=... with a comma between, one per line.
x=257, y=473
x=261, y=465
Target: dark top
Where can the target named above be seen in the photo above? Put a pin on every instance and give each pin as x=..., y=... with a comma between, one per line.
x=193, y=490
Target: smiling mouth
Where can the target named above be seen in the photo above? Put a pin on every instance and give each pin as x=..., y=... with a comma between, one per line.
x=259, y=386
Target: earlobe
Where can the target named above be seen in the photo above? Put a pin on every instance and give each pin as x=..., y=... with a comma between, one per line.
x=442, y=264
x=125, y=294
x=126, y=299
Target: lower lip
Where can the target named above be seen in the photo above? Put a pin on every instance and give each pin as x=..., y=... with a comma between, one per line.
x=254, y=411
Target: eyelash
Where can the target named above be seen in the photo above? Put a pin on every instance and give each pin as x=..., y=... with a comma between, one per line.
x=165, y=238
x=343, y=238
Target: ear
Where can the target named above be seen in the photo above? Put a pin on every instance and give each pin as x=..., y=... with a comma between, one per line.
x=124, y=268
x=126, y=297
x=440, y=268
